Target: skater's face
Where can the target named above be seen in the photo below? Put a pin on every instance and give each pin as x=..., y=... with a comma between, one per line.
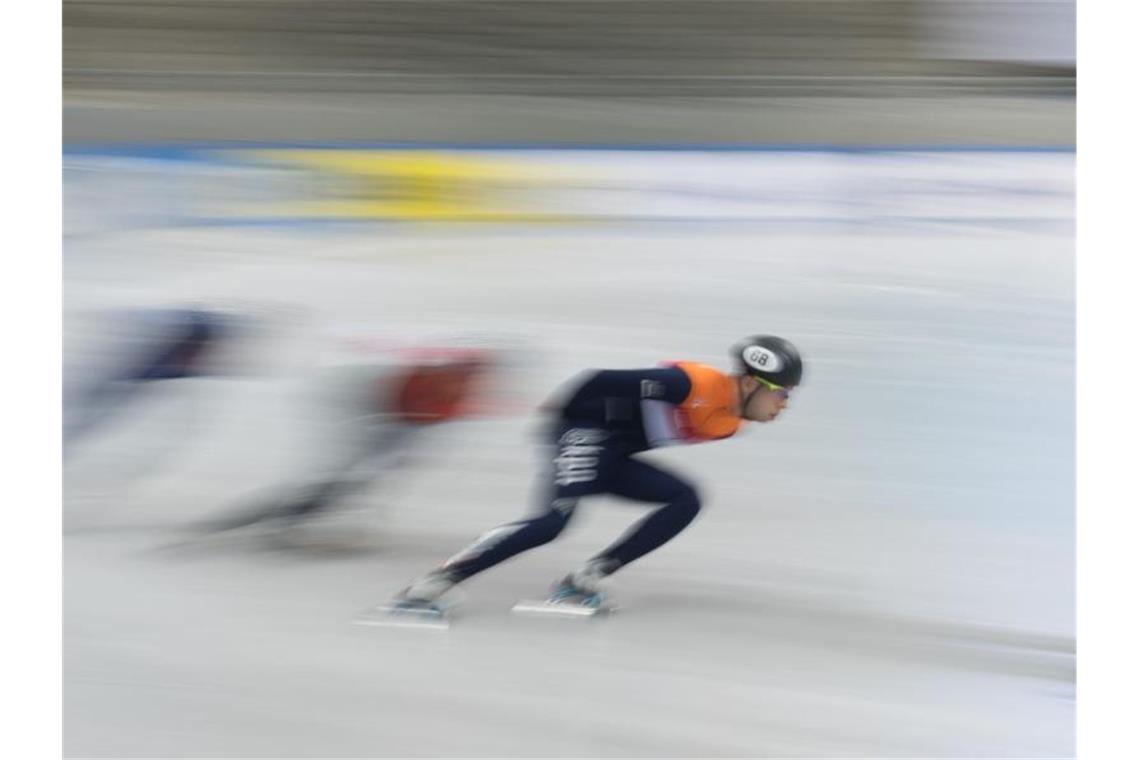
x=764, y=401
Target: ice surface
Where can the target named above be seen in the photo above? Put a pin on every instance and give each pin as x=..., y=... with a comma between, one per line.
x=886, y=571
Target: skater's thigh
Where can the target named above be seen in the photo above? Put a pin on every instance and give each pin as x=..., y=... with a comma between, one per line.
x=581, y=462
x=641, y=481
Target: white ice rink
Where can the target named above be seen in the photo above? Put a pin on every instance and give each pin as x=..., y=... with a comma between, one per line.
x=887, y=571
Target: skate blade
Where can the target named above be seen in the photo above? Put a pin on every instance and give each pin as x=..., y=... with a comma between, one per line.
x=547, y=608
x=390, y=616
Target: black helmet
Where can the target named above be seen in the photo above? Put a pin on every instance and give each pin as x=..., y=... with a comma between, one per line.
x=769, y=358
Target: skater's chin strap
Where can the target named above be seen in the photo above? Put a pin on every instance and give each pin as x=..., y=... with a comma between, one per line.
x=748, y=399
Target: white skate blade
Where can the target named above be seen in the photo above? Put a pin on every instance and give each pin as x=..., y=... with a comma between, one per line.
x=391, y=616
x=547, y=608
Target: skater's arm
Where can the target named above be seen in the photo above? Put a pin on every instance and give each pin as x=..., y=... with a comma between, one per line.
x=667, y=384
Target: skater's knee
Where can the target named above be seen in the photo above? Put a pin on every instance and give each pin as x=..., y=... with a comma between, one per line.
x=686, y=495
x=686, y=500
x=546, y=528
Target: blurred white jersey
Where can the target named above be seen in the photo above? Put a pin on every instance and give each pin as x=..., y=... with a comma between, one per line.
x=350, y=426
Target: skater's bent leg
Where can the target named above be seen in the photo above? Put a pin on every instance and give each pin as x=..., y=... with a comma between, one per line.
x=643, y=482
x=299, y=505
x=580, y=465
x=320, y=497
x=504, y=542
x=347, y=474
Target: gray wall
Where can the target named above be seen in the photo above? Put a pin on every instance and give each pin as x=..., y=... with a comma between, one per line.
x=754, y=71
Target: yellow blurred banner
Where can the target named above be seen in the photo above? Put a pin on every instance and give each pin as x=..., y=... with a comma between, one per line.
x=455, y=185
x=413, y=185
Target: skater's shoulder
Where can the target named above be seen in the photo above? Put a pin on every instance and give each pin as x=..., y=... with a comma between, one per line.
x=705, y=378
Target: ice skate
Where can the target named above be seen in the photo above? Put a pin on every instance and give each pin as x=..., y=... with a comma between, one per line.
x=579, y=594
x=418, y=605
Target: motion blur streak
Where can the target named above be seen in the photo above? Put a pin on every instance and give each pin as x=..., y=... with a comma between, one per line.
x=325, y=261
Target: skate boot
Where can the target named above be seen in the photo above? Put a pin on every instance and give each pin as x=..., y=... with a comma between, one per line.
x=416, y=606
x=578, y=595
x=582, y=587
x=423, y=594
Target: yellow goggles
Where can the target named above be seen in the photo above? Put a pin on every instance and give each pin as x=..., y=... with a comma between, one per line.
x=783, y=391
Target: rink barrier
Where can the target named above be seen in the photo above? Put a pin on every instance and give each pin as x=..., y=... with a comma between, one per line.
x=113, y=186
x=188, y=150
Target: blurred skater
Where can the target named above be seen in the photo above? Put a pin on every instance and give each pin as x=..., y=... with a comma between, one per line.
x=141, y=386
x=142, y=349
x=362, y=422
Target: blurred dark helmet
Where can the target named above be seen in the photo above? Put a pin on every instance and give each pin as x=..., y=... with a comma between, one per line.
x=769, y=358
